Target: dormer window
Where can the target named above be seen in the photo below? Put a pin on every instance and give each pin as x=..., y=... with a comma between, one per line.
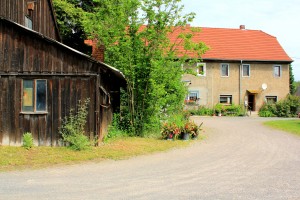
x=28, y=22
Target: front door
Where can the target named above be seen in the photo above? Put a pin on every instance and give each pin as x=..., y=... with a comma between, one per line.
x=251, y=102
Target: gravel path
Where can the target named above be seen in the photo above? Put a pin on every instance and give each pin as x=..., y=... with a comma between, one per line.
x=239, y=159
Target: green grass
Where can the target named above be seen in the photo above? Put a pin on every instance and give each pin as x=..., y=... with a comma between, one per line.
x=18, y=158
x=291, y=126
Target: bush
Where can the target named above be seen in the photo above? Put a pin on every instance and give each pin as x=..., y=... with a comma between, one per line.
x=115, y=129
x=287, y=107
x=27, y=140
x=72, y=130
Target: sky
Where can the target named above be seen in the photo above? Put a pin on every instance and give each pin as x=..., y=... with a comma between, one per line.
x=278, y=18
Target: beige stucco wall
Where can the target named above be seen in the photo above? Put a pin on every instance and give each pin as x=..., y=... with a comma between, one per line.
x=212, y=85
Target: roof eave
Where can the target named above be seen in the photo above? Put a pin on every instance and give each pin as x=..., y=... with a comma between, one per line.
x=115, y=71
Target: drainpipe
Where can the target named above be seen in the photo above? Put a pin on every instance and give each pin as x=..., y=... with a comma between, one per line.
x=240, y=83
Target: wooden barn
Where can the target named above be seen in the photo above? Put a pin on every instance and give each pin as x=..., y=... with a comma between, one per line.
x=41, y=79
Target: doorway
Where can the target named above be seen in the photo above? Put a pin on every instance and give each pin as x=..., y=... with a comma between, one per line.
x=251, y=102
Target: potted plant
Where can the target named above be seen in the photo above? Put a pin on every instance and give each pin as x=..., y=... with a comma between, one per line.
x=170, y=131
x=191, y=129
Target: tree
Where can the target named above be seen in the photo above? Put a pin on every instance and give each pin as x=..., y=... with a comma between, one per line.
x=292, y=85
x=135, y=35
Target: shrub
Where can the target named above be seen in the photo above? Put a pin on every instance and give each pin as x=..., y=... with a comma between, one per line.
x=287, y=107
x=27, y=140
x=115, y=129
x=72, y=130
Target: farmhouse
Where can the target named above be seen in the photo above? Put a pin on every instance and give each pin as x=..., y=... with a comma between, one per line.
x=41, y=79
x=241, y=67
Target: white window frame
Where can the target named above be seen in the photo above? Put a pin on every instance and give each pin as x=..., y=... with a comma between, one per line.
x=229, y=99
x=204, y=69
x=271, y=97
x=243, y=70
x=194, y=92
x=280, y=71
x=228, y=69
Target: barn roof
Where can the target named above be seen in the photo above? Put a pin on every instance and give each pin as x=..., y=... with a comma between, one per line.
x=233, y=44
x=115, y=71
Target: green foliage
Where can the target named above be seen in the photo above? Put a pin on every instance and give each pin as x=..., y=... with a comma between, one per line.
x=292, y=86
x=202, y=111
x=288, y=107
x=143, y=53
x=27, y=140
x=115, y=129
x=72, y=130
x=229, y=110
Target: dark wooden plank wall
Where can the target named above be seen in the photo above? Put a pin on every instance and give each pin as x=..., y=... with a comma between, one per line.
x=70, y=77
x=23, y=52
x=43, y=20
x=63, y=95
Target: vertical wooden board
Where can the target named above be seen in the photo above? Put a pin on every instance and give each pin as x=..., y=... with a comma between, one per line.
x=6, y=51
x=35, y=56
x=73, y=99
x=5, y=120
x=42, y=130
x=49, y=118
x=67, y=99
x=92, y=107
x=60, y=115
x=55, y=111
x=1, y=110
x=11, y=113
x=2, y=33
x=17, y=107
x=97, y=109
x=34, y=129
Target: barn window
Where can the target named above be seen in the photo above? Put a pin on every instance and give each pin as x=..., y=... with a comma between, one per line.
x=34, y=96
x=28, y=22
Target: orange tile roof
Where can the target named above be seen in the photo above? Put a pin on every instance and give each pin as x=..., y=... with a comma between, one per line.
x=234, y=44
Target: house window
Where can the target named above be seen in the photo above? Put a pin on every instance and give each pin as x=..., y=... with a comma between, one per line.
x=226, y=99
x=246, y=70
x=34, y=96
x=201, y=69
x=277, y=71
x=271, y=99
x=192, y=97
x=28, y=22
x=224, y=70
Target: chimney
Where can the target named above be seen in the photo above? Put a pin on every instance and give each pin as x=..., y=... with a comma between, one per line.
x=242, y=27
x=97, y=51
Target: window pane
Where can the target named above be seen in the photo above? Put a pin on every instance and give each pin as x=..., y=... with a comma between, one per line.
x=41, y=95
x=225, y=70
x=200, y=69
x=27, y=101
x=246, y=70
x=28, y=22
x=277, y=71
x=226, y=99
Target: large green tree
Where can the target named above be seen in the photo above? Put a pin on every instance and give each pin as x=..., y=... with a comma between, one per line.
x=135, y=35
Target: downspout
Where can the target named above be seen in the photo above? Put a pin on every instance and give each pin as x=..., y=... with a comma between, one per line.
x=240, y=83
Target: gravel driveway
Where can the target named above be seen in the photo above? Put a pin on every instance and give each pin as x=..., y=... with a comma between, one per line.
x=239, y=159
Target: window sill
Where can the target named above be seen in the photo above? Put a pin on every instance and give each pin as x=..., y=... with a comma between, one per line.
x=34, y=113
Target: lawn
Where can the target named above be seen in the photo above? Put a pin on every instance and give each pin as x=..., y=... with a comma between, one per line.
x=292, y=126
x=18, y=158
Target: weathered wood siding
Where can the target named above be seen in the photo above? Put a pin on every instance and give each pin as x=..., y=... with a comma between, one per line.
x=43, y=19
x=70, y=77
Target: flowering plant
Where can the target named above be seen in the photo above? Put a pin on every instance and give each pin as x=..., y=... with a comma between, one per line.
x=192, y=128
x=170, y=130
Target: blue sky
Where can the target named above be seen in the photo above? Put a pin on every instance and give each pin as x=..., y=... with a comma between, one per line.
x=275, y=17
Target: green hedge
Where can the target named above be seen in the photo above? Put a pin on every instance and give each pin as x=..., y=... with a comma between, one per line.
x=288, y=107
